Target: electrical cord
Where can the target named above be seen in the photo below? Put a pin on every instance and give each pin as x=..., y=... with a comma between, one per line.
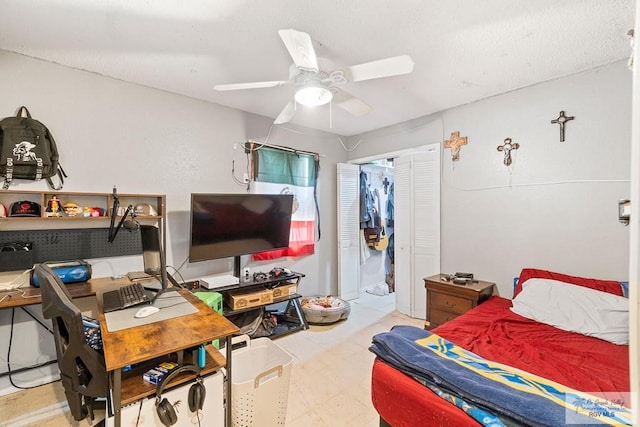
x=181, y=265
x=5, y=297
x=21, y=280
x=173, y=305
x=23, y=294
x=177, y=272
x=9, y=371
x=37, y=320
x=198, y=415
x=139, y=412
x=233, y=174
x=349, y=150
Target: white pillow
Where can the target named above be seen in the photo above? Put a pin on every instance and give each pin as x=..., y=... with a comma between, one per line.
x=575, y=308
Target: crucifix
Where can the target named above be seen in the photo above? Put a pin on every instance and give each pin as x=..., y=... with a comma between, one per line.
x=561, y=120
x=385, y=184
x=455, y=143
x=507, y=146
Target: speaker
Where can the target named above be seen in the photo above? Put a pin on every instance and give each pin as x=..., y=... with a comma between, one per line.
x=164, y=408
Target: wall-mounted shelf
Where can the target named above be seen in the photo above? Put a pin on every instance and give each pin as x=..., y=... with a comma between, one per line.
x=66, y=237
x=88, y=203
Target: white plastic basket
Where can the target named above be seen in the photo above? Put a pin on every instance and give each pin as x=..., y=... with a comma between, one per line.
x=260, y=383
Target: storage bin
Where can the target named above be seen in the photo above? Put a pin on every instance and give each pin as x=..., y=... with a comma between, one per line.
x=238, y=300
x=213, y=300
x=260, y=383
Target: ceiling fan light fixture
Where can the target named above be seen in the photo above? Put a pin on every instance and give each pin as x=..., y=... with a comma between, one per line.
x=313, y=95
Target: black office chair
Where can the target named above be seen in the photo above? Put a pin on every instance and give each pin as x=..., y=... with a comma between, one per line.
x=82, y=369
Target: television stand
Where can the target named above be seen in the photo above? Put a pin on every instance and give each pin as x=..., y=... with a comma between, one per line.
x=285, y=306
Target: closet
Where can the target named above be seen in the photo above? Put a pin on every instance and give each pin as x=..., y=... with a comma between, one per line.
x=376, y=257
x=413, y=182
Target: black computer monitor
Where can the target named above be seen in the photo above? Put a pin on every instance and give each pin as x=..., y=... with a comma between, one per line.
x=153, y=258
x=151, y=250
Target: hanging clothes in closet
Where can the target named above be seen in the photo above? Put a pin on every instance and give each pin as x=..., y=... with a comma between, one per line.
x=390, y=207
x=366, y=202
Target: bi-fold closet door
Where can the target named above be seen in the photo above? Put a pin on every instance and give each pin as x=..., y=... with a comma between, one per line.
x=417, y=228
x=348, y=231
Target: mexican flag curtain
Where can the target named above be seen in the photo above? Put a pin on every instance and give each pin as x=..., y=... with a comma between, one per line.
x=282, y=171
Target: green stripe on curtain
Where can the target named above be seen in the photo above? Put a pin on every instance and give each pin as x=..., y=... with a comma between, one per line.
x=284, y=167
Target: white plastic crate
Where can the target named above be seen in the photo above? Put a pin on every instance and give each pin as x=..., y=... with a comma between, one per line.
x=260, y=383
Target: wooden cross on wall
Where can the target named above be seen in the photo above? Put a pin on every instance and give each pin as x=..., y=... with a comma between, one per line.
x=455, y=143
x=507, y=146
x=561, y=120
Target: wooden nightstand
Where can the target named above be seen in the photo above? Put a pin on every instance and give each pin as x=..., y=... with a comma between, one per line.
x=446, y=300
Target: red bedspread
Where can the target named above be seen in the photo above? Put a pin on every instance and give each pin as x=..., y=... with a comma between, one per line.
x=493, y=331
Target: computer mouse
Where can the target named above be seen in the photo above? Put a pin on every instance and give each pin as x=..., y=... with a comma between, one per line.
x=145, y=311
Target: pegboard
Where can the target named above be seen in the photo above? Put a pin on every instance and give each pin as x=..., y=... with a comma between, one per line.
x=66, y=245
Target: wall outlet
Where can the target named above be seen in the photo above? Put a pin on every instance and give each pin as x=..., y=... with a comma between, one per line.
x=246, y=272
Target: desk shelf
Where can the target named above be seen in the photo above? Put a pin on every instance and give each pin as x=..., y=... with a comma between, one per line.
x=135, y=388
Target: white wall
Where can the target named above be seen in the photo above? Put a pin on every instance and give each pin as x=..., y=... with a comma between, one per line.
x=147, y=141
x=557, y=209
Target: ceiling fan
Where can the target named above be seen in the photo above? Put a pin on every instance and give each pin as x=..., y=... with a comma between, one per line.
x=318, y=87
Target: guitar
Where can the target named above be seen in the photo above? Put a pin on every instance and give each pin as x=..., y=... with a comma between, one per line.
x=377, y=237
x=381, y=244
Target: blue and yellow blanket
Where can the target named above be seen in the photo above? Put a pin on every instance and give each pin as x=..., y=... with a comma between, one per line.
x=512, y=395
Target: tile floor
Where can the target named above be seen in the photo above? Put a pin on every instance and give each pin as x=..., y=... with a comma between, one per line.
x=331, y=375
x=329, y=384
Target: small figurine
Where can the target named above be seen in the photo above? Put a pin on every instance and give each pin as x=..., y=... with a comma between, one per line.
x=53, y=207
x=72, y=209
x=92, y=211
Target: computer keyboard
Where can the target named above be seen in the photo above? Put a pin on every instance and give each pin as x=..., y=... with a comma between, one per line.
x=133, y=294
x=125, y=296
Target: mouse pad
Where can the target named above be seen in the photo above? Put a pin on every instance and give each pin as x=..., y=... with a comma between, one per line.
x=171, y=304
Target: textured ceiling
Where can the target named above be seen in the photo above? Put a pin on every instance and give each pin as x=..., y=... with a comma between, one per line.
x=464, y=50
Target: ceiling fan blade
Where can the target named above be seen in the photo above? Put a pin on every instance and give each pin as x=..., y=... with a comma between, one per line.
x=394, y=66
x=351, y=104
x=286, y=114
x=252, y=85
x=300, y=48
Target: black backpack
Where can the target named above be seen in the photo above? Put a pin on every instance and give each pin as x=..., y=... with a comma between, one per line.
x=28, y=151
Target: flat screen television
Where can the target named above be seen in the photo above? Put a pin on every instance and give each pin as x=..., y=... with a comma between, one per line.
x=231, y=225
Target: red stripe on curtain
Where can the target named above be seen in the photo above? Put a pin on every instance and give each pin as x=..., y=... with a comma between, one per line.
x=302, y=242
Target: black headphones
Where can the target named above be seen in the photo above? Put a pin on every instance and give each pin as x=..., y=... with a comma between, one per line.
x=197, y=392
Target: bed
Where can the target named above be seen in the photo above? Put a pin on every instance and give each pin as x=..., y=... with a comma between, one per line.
x=512, y=362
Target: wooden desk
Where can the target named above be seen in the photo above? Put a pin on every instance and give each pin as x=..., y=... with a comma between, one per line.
x=142, y=343
x=31, y=295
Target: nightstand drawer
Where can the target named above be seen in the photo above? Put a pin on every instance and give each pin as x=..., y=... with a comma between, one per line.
x=450, y=303
x=438, y=317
